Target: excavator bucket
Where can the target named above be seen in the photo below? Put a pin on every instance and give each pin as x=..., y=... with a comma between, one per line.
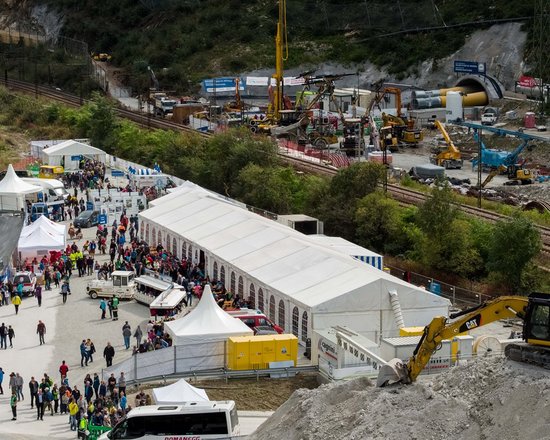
x=394, y=371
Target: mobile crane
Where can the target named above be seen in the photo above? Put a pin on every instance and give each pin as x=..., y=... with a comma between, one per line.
x=534, y=310
x=451, y=158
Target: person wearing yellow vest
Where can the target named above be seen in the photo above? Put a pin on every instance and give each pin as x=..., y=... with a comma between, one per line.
x=16, y=301
x=83, y=427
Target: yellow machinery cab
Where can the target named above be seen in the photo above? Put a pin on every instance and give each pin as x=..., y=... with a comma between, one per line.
x=50, y=172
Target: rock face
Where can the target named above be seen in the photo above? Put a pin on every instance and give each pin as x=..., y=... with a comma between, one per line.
x=501, y=47
x=27, y=17
x=487, y=399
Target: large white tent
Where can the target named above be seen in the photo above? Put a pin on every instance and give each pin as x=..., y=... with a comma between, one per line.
x=301, y=284
x=207, y=323
x=177, y=393
x=68, y=153
x=13, y=190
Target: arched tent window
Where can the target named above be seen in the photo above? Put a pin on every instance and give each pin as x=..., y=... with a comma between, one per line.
x=183, y=250
x=240, y=288
x=261, y=304
x=147, y=234
x=153, y=237
x=142, y=230
x=190, y=252
x=281, y=314
x=215, y=270
x=272, y=308
x=252, y=296
x=295, y=321
x=222, y=275
x=174, y=246
x=304, y=326
x=233, y=282
x=168, y=242
x=159, y=238
x=206, y=265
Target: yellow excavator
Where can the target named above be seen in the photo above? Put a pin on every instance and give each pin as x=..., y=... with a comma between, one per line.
x=451, y=157
x=402, y=129
x=534, y=310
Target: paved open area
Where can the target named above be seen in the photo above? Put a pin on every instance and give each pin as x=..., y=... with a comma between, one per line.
x=66, y=326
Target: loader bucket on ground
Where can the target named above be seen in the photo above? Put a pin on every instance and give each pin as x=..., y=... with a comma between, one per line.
x=394, y=371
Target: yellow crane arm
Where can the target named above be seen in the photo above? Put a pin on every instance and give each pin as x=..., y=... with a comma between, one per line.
x=448, y=140
x=440, y=328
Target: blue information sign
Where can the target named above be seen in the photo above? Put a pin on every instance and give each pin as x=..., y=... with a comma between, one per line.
x=469, y=67
x=76, y=157
x=89, y=206
x=117, y=173
x=102, y=219
x=216, y=85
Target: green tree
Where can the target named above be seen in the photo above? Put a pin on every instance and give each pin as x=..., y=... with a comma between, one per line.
x=102, y=123
x=514, y=244
x=436, y=214
x=379, y=223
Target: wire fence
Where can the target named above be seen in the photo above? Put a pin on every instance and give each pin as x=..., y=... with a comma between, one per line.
x=460, y=297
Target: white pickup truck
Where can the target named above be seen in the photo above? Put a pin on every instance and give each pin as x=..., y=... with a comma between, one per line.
x=489, y=117
x=121, y=284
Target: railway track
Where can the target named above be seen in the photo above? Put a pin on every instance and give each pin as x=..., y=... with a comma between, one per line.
x=402, y=195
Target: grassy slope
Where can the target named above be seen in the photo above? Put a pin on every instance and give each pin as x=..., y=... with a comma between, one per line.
x=196, y=38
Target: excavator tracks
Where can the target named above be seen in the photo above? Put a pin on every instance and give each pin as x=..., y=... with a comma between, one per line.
x=528, y=354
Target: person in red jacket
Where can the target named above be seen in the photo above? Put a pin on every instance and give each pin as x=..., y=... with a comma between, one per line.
x=63, y=370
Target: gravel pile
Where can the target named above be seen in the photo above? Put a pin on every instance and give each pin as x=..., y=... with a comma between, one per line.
x=486, y=399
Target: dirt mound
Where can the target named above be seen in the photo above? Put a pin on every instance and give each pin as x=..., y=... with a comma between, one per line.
x=486, y=399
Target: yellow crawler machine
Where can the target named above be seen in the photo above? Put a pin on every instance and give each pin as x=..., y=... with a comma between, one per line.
x=450, y=158
x=534, y=310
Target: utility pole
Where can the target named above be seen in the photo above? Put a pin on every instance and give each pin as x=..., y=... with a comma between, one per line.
x=479, y=167
x=542, y=43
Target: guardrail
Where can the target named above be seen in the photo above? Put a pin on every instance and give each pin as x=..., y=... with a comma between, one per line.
x=222, y=373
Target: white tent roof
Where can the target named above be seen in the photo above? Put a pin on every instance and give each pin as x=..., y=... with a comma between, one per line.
x=177, y=393
x=44, y=223
x=206, y=323
x=41, y=240
x=280, y=257
x=12, y=184
x=72, y=148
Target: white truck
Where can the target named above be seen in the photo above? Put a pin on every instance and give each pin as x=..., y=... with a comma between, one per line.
x=121, y=284
x=489, y=116
x=164, y=105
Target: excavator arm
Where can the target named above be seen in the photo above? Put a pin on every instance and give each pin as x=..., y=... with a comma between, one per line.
x=448, y=140
x=440, y=328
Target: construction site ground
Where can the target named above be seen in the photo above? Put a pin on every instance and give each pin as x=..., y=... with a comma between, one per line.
x=263, y=394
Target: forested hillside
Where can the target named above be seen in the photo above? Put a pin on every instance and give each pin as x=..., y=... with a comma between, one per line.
x=185, y=40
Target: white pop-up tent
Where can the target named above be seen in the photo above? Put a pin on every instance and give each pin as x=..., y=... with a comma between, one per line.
x=13, y=190
x=177, y=393
x=39, y=243
x=206, y=324
x=47, y=225
x=68, y=153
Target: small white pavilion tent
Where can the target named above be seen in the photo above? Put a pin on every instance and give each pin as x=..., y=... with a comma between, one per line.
x=13, y=190
x=39, y=243
x=68, y=153
x=207, y=324
x=47, y=225
x=178, y=392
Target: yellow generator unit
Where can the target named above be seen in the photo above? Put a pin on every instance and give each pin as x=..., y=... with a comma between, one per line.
x=256, y=352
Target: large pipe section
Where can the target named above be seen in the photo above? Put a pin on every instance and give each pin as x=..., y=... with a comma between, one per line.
x=468, y=100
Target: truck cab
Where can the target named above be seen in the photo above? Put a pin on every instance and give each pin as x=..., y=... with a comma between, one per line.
x=121, y=284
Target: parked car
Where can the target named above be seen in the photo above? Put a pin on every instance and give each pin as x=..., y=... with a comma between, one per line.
x=87, y=219
x=256, y=320
x=29, y=282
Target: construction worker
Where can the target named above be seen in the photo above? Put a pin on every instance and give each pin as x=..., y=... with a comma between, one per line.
x=83, y=427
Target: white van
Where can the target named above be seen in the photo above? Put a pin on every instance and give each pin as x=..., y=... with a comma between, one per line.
x=185, y=421
x=53, y=187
